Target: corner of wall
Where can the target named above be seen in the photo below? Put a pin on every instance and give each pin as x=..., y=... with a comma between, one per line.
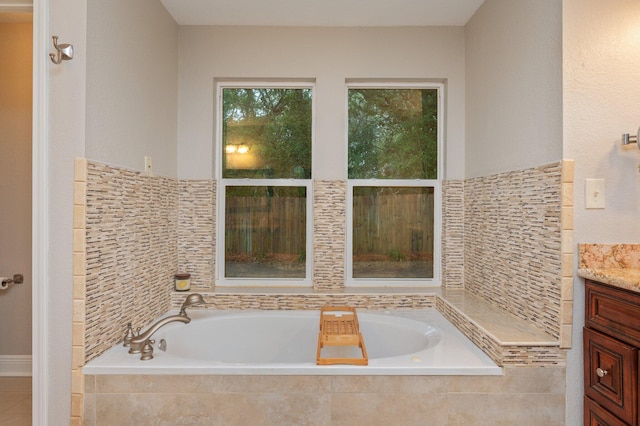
x=517, y=249
x=79, y=293
x=567, y=254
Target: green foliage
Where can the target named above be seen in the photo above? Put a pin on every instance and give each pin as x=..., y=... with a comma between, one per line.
x=396, y=255
x=393, y=133
x=259, y=192
x=275, y=124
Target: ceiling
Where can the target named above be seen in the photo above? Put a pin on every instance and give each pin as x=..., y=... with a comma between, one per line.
x=322, y=12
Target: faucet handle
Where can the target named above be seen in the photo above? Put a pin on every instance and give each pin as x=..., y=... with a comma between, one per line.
x=128, y=335
x=147, y=350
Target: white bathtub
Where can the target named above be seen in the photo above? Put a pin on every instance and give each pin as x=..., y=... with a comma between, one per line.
x=284, y=343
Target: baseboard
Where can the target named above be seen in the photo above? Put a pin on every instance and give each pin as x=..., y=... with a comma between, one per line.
x=15, y=365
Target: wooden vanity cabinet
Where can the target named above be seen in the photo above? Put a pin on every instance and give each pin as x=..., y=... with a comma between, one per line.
x=611, y=342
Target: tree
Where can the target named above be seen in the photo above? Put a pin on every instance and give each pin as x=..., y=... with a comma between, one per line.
x=275, y=124
x=393, y=133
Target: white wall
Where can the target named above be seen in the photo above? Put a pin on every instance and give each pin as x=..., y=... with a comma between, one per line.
x=66, y=127
x=15, y=186
x=132, y=84
x=330, y=55
x=601, y=101
x=514, y=86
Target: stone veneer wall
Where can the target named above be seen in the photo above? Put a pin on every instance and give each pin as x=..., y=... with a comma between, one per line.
x=512, y=242
x=502, y=240
x=270, y=301
x=131, y=241
x=453, y=234
x=329, y=234
x=124, y=244
x=197, y=231
x=127, y=239
x=501, y=353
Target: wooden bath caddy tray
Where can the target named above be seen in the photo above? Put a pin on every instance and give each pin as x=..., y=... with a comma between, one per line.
x=339, y=327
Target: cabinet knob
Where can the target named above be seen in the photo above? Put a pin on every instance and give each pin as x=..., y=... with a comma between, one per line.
x=600, y=372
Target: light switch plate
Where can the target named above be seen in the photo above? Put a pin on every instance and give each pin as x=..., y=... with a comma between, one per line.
x=594, y=194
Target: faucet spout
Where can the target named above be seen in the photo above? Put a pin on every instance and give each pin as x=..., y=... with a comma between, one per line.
x=138, y=342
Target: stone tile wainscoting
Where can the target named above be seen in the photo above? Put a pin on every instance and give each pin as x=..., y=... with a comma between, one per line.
x=504, y=215
x=125, y=255
x=197, y=231
x=133, y=232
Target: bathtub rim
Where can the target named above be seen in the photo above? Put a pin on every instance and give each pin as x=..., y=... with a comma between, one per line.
x=116, y=360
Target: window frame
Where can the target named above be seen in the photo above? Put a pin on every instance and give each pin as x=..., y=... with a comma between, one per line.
x=436, y=184
x=223, y=183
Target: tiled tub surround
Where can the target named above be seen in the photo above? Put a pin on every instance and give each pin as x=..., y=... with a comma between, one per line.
x=197, y=231
x=124, y=245
x=510, y=231
x=131, y=247
x=512, y=239
x=195, y=199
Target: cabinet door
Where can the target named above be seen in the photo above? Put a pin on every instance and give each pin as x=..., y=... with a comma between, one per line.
x=613, y=311
x=595, y=415
x=611, y=374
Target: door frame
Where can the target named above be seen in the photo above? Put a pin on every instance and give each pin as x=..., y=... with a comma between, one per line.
x=40, y=204
x=40, y=214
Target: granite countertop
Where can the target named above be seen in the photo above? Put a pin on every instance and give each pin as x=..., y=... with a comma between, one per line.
x=627, y=278
x=614, y=264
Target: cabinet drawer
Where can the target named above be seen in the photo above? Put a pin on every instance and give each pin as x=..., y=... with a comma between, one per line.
x=611, y=374
x=613, y=311
x=595, y=415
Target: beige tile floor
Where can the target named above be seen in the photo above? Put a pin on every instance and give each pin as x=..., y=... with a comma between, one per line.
x=15, y=401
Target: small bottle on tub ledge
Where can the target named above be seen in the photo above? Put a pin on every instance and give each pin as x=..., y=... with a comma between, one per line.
x=182, y=282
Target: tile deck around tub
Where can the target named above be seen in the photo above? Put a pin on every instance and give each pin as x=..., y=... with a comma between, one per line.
x=505, y=327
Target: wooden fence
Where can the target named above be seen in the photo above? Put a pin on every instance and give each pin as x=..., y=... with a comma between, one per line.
x=393, y=223
x=265, y=225
x=383, y=223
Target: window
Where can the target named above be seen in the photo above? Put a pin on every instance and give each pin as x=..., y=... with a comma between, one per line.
x=264, y=150
x=394, y=134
